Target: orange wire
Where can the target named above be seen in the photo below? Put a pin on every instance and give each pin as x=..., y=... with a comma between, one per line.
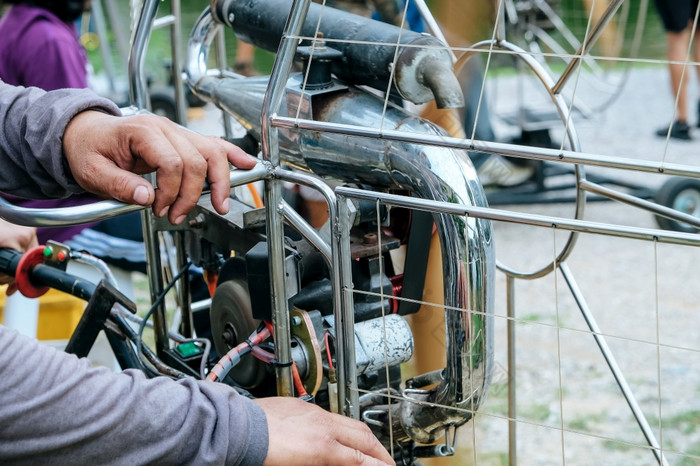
x=211, y=276
x=301, y=391
x=257, y=200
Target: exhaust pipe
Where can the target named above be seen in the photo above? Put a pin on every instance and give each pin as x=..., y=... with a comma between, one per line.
x=434, y=173
x=423, y=64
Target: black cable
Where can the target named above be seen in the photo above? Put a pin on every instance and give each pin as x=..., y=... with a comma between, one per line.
x=156, y=303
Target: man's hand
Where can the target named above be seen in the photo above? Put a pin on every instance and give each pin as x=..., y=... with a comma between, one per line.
x=18, y=238
x=106, y=154
x=302, y=433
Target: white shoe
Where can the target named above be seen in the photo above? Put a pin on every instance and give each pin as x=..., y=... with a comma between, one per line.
x=499, y=171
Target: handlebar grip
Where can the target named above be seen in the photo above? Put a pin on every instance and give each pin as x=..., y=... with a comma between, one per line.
x=9, y=259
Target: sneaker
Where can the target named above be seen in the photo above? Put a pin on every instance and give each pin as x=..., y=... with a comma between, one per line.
x=499, y=171
x=679, y=130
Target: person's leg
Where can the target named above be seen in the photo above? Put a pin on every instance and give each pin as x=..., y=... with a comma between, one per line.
x=245, y=59
x=696, y=59
x=677, y=53
x=674, y=15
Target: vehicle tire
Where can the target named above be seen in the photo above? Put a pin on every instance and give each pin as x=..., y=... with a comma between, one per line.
x=682, y=194
x=163, y=103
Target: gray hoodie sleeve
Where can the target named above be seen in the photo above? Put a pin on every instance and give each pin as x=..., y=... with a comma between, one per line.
x=56, y=408
x=32, y=123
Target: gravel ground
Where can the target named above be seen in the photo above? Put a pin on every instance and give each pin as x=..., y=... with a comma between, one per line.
x=642, y=296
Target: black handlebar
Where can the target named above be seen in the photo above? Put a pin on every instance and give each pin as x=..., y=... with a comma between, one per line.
x=9, y=259
x=44, y=275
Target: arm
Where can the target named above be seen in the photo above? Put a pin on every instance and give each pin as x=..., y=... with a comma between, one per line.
x=32, y=123
x=55, y=406
x=96, y=412
x=103, y=154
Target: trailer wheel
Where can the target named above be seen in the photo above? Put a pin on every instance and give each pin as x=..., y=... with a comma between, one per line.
x=683, y=195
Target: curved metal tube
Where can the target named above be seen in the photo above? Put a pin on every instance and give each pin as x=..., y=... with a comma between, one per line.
x=565, y=116
x=102, y=210
x=431, y=172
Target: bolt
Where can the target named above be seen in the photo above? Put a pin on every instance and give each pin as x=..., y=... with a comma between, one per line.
x=296, y=321
x=231, y=17
x=197, y=222
x=319, y=44
x=228, y=337
x=369, y=238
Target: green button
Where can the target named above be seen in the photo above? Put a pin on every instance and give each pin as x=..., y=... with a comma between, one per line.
x=48, y=252
x=188, y=349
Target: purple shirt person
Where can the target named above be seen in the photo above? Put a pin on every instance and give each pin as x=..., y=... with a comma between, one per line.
x=40, y=48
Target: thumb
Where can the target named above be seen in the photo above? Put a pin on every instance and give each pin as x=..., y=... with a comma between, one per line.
x=120, y=184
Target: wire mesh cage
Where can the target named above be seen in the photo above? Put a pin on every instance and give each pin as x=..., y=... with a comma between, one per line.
x=431, y=248
x=562, y=388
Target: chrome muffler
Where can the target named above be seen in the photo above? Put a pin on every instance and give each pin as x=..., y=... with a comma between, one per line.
x=430, y=172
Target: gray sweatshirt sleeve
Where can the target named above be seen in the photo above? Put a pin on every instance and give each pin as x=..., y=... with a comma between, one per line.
x=32, y=123
x=56, y=408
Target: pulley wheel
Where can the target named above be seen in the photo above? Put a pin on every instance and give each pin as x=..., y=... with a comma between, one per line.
x=232, y=323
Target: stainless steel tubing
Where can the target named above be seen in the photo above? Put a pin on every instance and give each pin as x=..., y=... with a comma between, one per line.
x=612, y=364
x=273, y=194
x=587, y=44
x=345, y=372
x=137, y=78
x=63, y=216
x=565, y=116
x=546, y=221
x=102, y=210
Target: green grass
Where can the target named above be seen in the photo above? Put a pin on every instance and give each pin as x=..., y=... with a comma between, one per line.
x=687, y=422
x=652, y=45
x=159, y=52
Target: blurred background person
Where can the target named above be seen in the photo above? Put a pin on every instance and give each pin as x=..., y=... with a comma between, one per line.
x=40, y=47
x=678, y=17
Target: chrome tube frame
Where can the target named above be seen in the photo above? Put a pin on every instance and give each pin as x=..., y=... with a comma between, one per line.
x=273, y=194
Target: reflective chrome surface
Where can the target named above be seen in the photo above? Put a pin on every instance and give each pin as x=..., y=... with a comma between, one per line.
x=434, y=173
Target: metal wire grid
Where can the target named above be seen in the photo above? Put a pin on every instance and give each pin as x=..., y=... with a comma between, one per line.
x=570, y=408
x=541, y=428
x=559, y=427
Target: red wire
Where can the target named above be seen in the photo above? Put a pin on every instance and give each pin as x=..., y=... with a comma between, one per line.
x=328, y=350
x=295, y=372
x=301, y=391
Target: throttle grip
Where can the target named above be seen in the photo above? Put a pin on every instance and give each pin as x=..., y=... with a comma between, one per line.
x=9, y=259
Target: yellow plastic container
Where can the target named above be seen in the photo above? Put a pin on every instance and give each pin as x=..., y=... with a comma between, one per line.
x=59, y=314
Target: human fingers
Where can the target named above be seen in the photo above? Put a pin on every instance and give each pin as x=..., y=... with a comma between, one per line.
x=102, y=177
x=302, y=433
x=217, y=154
x=19, y=238
x=181, y=181
x=104, y=152
x=98, y=149
x=356, y=442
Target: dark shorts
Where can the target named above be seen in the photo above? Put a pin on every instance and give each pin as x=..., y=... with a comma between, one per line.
x=676, y=15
